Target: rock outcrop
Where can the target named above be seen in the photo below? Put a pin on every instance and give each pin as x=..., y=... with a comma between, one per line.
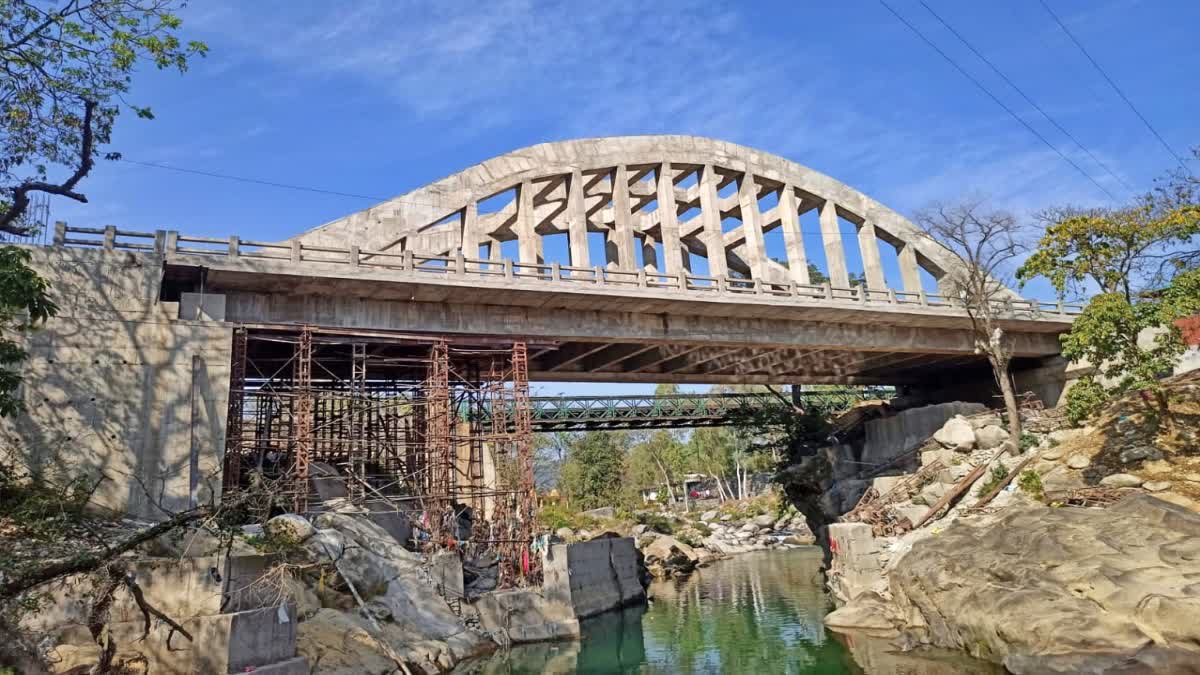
x=1054, y=590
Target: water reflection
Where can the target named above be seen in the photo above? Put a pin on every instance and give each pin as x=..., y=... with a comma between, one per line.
x=756, y=613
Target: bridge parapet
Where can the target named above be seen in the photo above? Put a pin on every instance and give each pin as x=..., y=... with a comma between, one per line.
x=262, y=256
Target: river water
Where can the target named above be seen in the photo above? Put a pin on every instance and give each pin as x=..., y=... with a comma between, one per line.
x=753, y=613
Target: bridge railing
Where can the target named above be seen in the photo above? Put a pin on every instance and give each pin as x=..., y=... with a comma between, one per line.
x=553, y=413
x=172, y=243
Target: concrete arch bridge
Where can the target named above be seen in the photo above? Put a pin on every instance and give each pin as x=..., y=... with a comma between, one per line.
x=667, y=272
x=633, y=259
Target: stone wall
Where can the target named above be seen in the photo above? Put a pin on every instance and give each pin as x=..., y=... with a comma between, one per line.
x=593, y=576
x=117, y=385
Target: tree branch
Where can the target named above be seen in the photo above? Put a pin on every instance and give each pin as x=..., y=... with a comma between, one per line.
x=20, y=201
x=90, y=560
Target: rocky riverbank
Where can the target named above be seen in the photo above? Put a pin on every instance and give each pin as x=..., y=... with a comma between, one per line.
x=1079, y=555
x=674, y=544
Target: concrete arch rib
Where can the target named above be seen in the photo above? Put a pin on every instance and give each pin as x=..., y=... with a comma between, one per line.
x=444, y=216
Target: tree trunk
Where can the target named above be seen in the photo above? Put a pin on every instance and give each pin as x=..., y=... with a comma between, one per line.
x=1010, y=404
x=666, y=479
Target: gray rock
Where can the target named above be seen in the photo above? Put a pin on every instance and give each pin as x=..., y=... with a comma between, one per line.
x=765, y=520
x=990, y=437
x=749, y=527
x=1121, y=480
x=1064, y=435
x=885, y=484
x=1141, y=453
x=708, y=516
x=946, y=457
x=980, y=421
x=726, y=518
x=289, y=527
x=956, y=434
x=1157, y=485
x=1111, y=575
x=1078, y=461
x=640, y=529
x=564, y=533
x=913, y=512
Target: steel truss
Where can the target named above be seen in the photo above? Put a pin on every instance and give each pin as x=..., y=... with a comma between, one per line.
x=390, y=423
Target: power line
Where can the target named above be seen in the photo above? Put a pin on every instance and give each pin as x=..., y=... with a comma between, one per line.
x=1025, y=96
x=998, y=102
x=243, y=179
x=1112, y=84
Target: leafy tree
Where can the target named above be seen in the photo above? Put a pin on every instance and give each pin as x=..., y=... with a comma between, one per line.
x=1116, y=249
x=659, y=458
x=24, y=303
x=67, y=67
x=591, y=475
x=984, y=242
x=1131, y=345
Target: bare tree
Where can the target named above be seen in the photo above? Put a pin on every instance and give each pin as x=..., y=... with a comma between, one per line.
x=986, y=242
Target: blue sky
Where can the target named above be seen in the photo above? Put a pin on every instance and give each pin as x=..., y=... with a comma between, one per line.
x=378, y=98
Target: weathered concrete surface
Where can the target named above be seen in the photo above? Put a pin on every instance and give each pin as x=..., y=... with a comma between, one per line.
x=575, y=174
x=524, y=615
x=889, y=437
x=120, y=386
x=237, y=618
x=594, y=576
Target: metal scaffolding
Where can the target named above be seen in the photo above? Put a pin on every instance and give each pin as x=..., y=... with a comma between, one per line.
x=390, y=422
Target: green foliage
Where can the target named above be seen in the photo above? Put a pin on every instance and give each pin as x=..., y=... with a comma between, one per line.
x=656, y=522
x=999, y=473
x=1113, y=248
x=67, y=71
x=1028, y=441
x=1085, y=398
x=552, y=517
x=41, y=509
x=1030, y=483
x=24, y=304
x=1106, y=335
x=702, y=528
x=592, y=472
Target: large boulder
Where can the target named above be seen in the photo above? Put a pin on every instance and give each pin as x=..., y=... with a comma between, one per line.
x=1058, y=590
x=289, y=527
x=956, y=434
x=394, y=579
x=990, y=437
x=667, y=557
x=764, y=520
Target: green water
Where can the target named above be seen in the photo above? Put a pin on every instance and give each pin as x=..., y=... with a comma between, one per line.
x=754, y=613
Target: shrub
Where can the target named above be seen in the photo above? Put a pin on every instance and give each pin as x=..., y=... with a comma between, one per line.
x=656, y=522
x=552, y=517
x=1084, y=399
x=1030, y=483
x=999, y=473
x=1028, y=441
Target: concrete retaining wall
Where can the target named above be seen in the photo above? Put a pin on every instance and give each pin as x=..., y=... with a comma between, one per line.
x=235, y=618
x=888, y=437
x=593, y=576
x=855, y=566
x=118, y=385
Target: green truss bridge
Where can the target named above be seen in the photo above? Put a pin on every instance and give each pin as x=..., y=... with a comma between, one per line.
x=588, y=413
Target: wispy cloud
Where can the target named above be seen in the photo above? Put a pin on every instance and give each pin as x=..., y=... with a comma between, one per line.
x=681, y=66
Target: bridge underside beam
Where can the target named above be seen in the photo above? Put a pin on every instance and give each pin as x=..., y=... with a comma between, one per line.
x=615, y=346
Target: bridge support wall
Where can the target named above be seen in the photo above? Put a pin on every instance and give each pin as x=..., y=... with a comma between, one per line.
x=117, y=385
